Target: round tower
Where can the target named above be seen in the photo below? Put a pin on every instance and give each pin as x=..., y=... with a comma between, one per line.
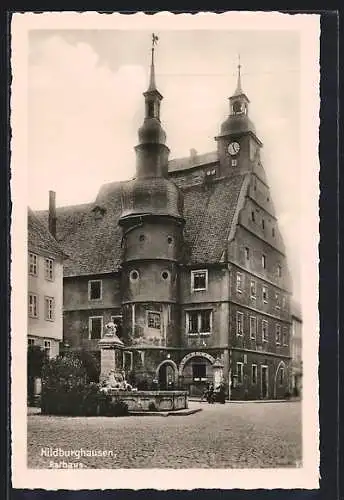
x=152, y=223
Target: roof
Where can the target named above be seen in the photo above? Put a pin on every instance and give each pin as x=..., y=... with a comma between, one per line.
x=39, y=237
x=195, y=160
x=91, y=236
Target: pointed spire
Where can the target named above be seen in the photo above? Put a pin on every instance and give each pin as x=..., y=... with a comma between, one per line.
x=152, y=84
x=239, y=90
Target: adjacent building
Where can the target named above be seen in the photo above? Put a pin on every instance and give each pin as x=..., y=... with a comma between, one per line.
x=296, y=350
x=187, y=259
x=45, y=285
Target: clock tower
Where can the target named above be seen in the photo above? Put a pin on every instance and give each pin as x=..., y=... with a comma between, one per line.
x=238, y=145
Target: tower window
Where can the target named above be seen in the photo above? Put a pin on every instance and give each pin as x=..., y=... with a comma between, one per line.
x=142, y=237
x=247, y=253
x=153, y=320
x=169, y=240
x=273, y=232
x=279, y=271
x=150, y=109
x=263, y=223
x=134, y=275
x=253, y=216
x=237, y=107
x=165, y=275
x=234, y=163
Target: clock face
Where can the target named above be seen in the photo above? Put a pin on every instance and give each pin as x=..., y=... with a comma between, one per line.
x=233, y=148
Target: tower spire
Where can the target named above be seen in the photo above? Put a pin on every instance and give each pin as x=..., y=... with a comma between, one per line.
x=152, y=84
x=239, y=90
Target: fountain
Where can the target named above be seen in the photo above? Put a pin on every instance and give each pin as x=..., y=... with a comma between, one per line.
x=113, y=380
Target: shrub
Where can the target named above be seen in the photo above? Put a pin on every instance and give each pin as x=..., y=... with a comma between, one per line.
x=66, y=391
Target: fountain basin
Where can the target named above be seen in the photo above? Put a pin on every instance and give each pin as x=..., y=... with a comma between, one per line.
x=151, y=400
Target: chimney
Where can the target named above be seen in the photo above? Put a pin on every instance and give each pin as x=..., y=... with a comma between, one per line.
x=193, y=155
x=52, y=213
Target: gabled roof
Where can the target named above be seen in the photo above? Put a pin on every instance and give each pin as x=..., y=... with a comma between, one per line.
x=39, y=237
x=91, y=236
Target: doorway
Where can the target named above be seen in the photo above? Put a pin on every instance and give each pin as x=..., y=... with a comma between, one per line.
x=166, y=377
x=265, y=381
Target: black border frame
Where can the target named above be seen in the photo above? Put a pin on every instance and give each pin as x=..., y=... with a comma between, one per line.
x=329, y=366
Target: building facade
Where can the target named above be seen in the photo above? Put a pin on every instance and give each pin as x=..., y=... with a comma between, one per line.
x=296, y=351
x=45, y=287
x=188, y=260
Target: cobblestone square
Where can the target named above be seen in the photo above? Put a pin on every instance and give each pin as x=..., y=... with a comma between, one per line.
x=234, y=435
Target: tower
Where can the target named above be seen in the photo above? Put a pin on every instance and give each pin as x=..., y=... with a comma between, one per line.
x=238, y=144
x=152, y=228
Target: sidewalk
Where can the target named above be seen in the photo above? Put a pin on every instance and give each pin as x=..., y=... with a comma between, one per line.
x=291, y=400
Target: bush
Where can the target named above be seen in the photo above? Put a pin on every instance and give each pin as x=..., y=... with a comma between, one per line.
x=66, y=391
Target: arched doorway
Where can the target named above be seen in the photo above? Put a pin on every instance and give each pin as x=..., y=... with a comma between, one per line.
x=281, y=381
x=196, y=370
x=167, y=375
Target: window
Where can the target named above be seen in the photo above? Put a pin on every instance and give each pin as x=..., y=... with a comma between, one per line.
x=94, y=290
x=199, y=322
x=278, y=334
x=153, y=320
x=234, y=163
x=253, y=289
x=199, y=372
x=279, y=271
x=33, y=305
x=265, y=295
x=285, y=336
x=199, y=280
x=142, y=237
x=49, y=269
x=278, y=301
x=165, y=275
x=284, y=302
x=264, y=261
x=273, y=232
x=253, y=327
x=33, y=264
x=169, y=240
x=239, y=323
x=31, y=342
x=134, y=275
x=247, y=253
x=253, y=216
x=281, y=376
x=49, y=308
x=239, y=282
x=265, y=330
x=47, y=347
x=150, y=109
x=263, y=224
x=254, y=374
x=240, y=372
x=95, y=327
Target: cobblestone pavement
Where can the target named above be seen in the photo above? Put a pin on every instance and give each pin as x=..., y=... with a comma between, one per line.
x=237, y=435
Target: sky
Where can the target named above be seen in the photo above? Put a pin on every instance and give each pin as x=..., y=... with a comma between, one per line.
x=85, y=106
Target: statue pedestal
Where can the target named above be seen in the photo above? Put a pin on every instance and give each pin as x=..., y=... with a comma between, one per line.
x=110, y=345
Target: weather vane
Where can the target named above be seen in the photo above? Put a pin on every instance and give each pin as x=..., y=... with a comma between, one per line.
x=155, y=39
